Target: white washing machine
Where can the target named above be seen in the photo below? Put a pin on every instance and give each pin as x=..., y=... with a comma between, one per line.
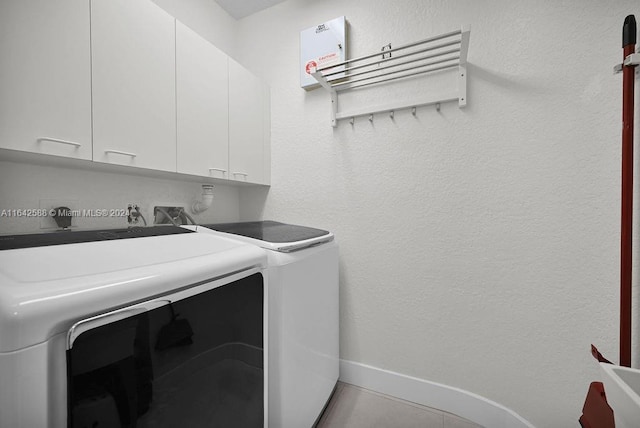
x=147, y=327
x=303, y=316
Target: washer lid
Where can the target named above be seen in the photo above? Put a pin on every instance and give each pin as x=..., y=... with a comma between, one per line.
x=275, y=235
x=13, y=242
x=44, y=290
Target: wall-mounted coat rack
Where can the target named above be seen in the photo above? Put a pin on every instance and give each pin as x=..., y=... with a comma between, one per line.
x=442, y=52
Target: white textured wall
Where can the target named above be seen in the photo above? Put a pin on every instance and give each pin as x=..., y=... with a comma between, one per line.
x=29, y=186
x=479, y=247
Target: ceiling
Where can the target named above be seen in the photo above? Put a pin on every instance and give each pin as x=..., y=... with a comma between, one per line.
x=242, y=8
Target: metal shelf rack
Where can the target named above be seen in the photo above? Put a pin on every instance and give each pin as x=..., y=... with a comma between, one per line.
x=441, y=52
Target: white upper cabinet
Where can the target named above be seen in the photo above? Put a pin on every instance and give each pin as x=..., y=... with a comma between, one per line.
x=122, y=82
x=266, y=134
x=202, y=106
x=134, y=89
x=45, y=77
x=248, y=126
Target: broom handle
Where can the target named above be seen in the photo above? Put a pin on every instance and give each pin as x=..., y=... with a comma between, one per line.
x=628, y=77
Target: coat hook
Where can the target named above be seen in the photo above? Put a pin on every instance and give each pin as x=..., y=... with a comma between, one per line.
x=437, y=106
x=370, y=118
x=413, y=111
x=353, y=119
x=391, y=114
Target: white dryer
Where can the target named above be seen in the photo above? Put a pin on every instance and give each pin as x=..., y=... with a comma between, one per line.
x=303, y=316
x=147, y=327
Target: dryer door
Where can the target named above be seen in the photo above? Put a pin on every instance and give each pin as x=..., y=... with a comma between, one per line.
x=193, y=358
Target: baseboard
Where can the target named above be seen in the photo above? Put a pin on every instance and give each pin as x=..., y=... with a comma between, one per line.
x=453, y=400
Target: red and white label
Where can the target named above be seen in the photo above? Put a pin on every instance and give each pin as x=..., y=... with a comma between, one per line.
x=310, y=64
x=328, y=59
x=322, y=61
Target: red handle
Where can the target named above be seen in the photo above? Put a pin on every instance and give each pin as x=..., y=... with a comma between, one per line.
x=628, y=80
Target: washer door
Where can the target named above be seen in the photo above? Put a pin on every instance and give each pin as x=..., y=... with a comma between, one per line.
x=193, y=358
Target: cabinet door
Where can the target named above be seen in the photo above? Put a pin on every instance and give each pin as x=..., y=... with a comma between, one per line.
x=266, y=134
x=134, y=98
x=202, y=105
x=247, y=124
x=45, y=77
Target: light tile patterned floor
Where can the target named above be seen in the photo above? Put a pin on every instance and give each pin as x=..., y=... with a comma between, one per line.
x=354, y=407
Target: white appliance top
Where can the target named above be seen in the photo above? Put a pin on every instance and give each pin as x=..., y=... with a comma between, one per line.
x=43, y=290
x=271, y=235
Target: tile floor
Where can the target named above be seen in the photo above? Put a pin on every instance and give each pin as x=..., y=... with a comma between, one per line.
x=355, y=407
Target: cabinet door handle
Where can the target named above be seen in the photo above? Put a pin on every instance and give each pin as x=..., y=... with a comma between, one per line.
x=57, y=140
x=118, y=152
x=241, y=173
x=218, y=169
